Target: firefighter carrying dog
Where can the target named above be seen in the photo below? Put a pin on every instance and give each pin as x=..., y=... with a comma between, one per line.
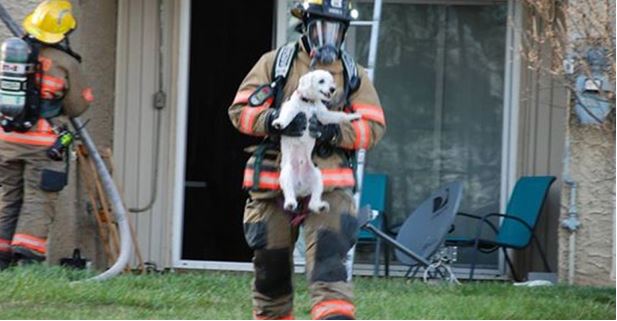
x=41, y=82
x=269, y=230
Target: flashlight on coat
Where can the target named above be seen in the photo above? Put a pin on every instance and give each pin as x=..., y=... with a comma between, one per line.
x=64, y=140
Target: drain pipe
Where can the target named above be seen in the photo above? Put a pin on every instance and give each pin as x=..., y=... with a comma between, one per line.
x=108, y=183
x=572, y=222
x=159, y=101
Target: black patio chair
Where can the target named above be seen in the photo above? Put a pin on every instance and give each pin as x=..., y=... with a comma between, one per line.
x=424, y=232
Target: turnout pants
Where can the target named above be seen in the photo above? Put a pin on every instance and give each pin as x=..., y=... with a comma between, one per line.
x=328, y=238
x=26, y=210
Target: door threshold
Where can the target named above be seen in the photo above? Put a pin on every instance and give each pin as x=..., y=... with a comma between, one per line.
x=360, y=269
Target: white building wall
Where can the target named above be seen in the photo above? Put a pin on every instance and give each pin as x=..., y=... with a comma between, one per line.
x=135, y=128
x=541, y=128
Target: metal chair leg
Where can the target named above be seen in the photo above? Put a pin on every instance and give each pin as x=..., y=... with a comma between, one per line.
x=417, y=268
x=377, y=257
x=514, y=276
x=408, y=272
x=387, y=257
x=416, y=271
x=544, y=260
x=474, y=257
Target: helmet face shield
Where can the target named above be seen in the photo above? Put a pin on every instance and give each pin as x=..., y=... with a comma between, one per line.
x=325, y=33
x=325, y=38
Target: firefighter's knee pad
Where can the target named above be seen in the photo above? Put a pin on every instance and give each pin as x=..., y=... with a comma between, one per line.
x=273, y=272
x=332, y=248
x=256, y=235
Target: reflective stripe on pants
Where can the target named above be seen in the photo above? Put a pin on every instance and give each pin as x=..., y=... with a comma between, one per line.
x=26, y=211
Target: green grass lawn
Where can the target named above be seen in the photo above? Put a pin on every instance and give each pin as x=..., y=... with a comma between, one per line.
x=45, y=293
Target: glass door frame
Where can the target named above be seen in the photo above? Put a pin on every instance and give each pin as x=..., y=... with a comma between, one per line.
x=510, y=104
x=183, y=40
x=509, y=137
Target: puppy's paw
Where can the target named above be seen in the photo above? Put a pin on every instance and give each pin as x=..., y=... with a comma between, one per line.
x=290, y=205
x=277, y=124
x=353, y=116
x=319, y=207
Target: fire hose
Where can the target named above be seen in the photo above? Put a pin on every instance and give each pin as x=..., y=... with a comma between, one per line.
x=107, y=182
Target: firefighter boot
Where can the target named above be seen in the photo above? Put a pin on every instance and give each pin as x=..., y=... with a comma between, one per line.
x=24, y=257
x=5, y=262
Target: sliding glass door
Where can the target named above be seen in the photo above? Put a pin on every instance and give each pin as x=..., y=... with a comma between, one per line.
x=440, y=75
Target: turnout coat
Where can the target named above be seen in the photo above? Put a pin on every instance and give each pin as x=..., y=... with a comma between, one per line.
x=336, y=167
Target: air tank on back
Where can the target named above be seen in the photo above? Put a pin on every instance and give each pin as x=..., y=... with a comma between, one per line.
x=14, y=70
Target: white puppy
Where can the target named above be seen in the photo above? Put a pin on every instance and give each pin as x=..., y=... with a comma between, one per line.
x=299, y=176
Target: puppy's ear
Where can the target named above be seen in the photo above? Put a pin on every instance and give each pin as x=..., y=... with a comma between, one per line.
x=305, y=83
x=331, y=75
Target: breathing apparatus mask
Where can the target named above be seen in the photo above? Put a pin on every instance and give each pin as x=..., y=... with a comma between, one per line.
x=325, y=38
x=324, y=24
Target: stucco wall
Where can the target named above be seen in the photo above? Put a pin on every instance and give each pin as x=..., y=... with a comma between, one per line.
x=592, y=167
x=95, y=40
x=590, y=164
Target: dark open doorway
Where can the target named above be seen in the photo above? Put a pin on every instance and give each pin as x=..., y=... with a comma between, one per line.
x=226, y=41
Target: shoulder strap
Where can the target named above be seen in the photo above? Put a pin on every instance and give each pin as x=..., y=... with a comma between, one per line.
x=352, y=80
x=280, y=70
x=284, y=59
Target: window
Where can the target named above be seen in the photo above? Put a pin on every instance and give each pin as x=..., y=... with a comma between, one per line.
x=440, y=76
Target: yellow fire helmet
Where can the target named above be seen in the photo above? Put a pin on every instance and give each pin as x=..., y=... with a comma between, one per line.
x=50, y=21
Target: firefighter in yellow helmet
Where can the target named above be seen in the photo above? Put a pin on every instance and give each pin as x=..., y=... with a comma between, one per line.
x=42, y=83
x=269, y=230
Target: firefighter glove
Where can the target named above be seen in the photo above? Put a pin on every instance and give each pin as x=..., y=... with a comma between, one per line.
x=295, y=128
x=324, y=133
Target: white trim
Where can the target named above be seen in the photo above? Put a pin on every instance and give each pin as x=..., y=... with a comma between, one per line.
x=213, y=265
x=181, y=128
x=359, y=269
x=613, y=253
x=441, y=2
x=400, y=271
x=511, y=99
x=226, y=266
x=120, y=86
x=511, y=102
x=280, y=23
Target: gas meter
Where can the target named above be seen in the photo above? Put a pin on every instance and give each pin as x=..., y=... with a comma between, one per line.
x=592, y=90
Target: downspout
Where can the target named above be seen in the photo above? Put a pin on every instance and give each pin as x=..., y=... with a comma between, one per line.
x=572, y=222
x=108, y=183
x=159, y=101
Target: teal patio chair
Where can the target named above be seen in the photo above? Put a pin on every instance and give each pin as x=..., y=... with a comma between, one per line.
x=516, y=230
x=374, y=193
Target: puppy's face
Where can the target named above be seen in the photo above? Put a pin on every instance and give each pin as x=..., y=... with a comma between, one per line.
x=317, y=85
